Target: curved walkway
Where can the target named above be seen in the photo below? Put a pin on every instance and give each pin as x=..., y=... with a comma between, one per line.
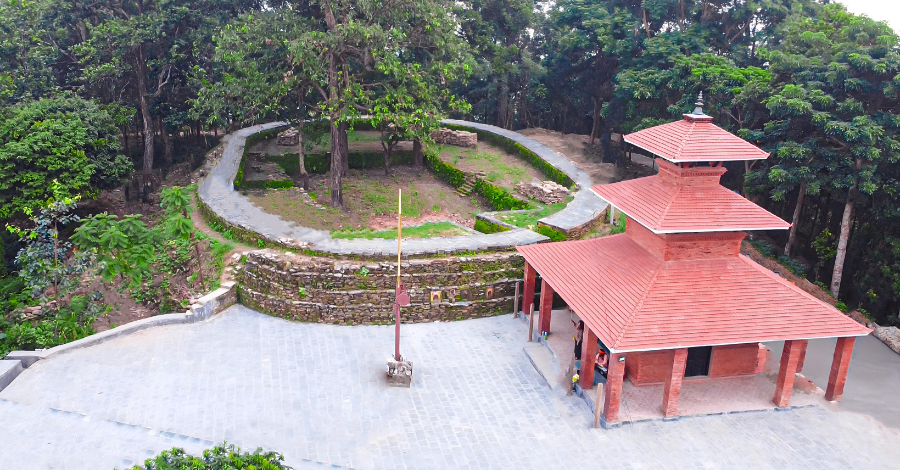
x=218, y=194
x=318, y=392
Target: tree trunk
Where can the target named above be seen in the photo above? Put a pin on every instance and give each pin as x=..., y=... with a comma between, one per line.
x=166, y=141
x=145, y=110
x=418, y=155
x=843, y=238
x=345, y=149
x=386, y=149
x=595, y=129
x=503, y=101
x=301, y=164
x=796, y=219
x=337, y=198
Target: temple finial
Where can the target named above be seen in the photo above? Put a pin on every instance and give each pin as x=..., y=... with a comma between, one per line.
x=699, y=105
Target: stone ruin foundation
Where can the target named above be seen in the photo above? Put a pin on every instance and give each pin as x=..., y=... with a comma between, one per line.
x=458, y=138
x=548, y=192
x=289, y=137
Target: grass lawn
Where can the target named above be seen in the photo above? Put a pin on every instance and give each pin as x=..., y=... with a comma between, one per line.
x=426, y=230
x=530, y=218
x=500, y=168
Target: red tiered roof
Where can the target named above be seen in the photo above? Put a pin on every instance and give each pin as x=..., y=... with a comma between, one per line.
x=694, y=139
x=687, y=200
x=636, y=301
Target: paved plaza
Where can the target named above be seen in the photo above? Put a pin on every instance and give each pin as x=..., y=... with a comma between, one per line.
x=317, y=393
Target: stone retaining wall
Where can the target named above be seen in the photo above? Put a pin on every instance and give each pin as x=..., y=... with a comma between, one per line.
x=452, y=137
x=318, y=289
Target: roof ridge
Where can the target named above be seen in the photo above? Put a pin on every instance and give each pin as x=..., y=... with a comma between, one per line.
x=684, y=138
x=639, y=304
x=670, y=202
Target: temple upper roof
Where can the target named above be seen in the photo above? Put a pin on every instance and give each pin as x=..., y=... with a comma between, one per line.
x=687, y=200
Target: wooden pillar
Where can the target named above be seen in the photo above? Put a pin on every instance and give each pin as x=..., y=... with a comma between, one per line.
x=785, y=384
x=802, y=359
x=613, y=394
x=840, y=364
x=528, y=296
x=546, y=306
x=588, y=358
x=672, y=388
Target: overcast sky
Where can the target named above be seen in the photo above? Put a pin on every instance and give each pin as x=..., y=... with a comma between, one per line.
x=880, y=10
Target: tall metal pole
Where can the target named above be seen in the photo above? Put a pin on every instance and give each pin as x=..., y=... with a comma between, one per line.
x=397, y=305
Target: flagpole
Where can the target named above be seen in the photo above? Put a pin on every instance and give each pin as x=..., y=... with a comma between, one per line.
x=397, y=309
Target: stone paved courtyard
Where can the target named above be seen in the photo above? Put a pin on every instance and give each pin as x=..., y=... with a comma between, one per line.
x=318, y=392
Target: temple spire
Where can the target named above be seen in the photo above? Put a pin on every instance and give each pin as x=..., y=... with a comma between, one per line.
x=698, y=110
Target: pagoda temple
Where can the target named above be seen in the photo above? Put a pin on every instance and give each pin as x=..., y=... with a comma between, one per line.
x=673, y=296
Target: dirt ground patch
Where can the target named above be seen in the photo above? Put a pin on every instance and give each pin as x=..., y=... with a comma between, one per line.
x=588, y=157
x=370, y=201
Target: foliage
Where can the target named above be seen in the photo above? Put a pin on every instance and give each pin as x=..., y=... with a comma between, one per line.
x=222, y=457
x=484, y=226
x=65, y=139
x=124, y=247
x=69, y=323
x=555, y=235
x=525, y=219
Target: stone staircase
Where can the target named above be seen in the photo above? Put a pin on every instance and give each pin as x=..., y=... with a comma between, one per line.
x=469, y=185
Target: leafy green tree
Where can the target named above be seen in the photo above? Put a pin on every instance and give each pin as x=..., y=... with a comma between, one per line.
x=67, y=139
x=836, y=82
x=124, y=247
x=177, y=202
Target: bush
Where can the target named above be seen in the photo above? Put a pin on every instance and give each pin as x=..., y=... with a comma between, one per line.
x=484, y=226
x=223, y=457
x=555, y=235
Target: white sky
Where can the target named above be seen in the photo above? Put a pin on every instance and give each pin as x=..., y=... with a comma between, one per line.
x=879, y=10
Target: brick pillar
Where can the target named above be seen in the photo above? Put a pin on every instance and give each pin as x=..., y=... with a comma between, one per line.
x=546, y=306
x=612, y=396
x=785, y=384
x=843, y=350
x=589, y=348
x=672, y=389
x=528, y=296
x=802, y=357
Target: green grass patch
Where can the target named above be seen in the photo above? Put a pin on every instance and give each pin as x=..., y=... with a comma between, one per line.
x=426, y=230
x=526, y=219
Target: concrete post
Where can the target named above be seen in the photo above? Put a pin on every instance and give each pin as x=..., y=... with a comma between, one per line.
x=785, y=384
x=840, y=364
x=672, y=388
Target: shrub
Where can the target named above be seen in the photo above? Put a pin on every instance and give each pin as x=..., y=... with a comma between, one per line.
x=225, y=456
x=484, y=226
x=555, y=235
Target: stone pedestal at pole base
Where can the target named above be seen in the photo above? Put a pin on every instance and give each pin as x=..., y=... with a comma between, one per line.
x=399, y=372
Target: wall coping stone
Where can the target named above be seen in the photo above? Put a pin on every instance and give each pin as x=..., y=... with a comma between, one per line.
x=217, y=193
x=9, y=370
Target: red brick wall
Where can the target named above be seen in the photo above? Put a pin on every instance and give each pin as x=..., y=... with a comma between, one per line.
x=652, y=367
x=648, y=367
x=737, y=359
x=685, y=245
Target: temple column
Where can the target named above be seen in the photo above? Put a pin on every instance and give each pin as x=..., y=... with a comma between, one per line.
x=612, y=396
x=546, y=306
x=528, y=295
x=802, y=359
x=672, y=388
x=790, y=356
x=588, y=358
x=840, y=364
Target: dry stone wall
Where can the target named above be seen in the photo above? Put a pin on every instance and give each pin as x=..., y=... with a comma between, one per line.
x=319, y=289
x=452, y=137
